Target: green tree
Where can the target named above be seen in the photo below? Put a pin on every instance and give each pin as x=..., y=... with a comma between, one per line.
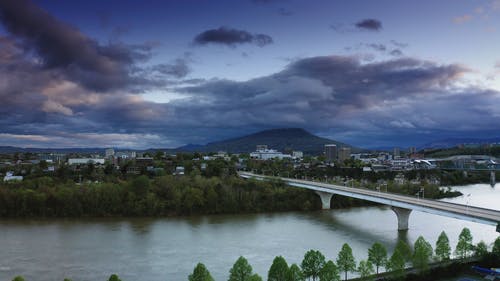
x=312, y=263
x=481, y=249
x=443, y=250
x=404, y=250
x=254, y=277
x=67, y=279
x=18, y=278
x=496, y=247
x=329, y=272
x=464, y=246
x=396, y=265
x=200, y=273
x=294, y=273
x=345, y=260
x=114, y=277
x=278, y=270
x=240, y=271
x=422, y=254
x=365, y=269
x=377, y=255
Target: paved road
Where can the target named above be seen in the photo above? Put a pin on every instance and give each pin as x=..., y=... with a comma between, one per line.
x=476, y=214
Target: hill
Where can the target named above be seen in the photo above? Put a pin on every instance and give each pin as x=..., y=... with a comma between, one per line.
x=452, y=142
x=280, y=139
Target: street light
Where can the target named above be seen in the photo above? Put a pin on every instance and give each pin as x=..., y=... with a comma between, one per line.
x=467, y=204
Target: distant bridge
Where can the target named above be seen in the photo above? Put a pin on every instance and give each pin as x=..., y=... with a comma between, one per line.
x=402, y=205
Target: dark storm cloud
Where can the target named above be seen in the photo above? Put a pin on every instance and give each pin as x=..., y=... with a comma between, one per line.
x=62, y=47
x=369, y=24
x=231, y=37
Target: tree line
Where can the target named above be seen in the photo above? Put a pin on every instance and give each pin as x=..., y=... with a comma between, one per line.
x=160, y=196
x=315, y=267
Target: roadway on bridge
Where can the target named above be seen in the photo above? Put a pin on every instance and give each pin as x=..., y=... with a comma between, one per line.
x=476, y=214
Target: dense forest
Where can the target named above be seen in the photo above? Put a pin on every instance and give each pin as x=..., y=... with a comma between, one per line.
x=142, y=196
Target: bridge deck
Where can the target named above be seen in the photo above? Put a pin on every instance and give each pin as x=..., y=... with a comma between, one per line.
x=459, y=211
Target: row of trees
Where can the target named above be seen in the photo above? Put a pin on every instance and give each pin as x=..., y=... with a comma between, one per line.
x=314, y=265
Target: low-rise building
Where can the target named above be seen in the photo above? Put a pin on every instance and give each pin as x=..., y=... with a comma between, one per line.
x=80, y=161
x=9, y=176
x=268, y=154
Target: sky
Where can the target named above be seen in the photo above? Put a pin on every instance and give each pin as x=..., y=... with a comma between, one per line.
x=162, y=74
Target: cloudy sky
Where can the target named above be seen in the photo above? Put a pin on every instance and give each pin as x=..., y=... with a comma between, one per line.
x=143, y=74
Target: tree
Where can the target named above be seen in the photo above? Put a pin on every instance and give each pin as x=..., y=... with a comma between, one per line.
x=481, y=249
x=396, y=265
x=18, y=278
x=312, y=263
x=496, y=247
x=254, y=277
x=278, y=270
x=443, y=249
x=345, y=260
x=200, y=273
x=329, y=272
x=422, y=254
x=294, y=273
x=114, y=277
x=365, y=269
x=377, y=255
x=464, y=245
x=240, y=271
x=404, y=250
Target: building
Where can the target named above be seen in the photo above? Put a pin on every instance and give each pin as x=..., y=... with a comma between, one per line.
x=10, y=177
x=179, y=170
x=344, y=153
x=263, y=153
x=401, y=164
x=261, y=147
x=109, y=153
x=80, y=161
x=412, y=150
x=297, y=154
x=54, y=157
x=331, y=152
x=395, y=152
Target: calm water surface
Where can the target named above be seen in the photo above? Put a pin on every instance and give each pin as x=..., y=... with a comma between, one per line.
x=169, y=248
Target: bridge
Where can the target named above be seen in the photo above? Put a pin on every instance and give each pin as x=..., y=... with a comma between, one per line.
x=402, y=205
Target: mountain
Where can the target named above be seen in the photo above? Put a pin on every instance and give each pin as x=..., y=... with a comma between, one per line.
x=452, y=142
x=280, y=139
x=13, y=149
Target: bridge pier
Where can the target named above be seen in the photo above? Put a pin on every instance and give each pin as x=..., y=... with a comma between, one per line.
x=326, y=197
x=492, y=178
x=403, y=216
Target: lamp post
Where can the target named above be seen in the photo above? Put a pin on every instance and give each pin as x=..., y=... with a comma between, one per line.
x=467, y=204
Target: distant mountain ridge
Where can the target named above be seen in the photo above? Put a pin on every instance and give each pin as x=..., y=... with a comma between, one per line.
x=451, y=142
x=280, y=139
x=286, y=139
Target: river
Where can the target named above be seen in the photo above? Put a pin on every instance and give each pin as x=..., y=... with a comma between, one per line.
x=154, y=249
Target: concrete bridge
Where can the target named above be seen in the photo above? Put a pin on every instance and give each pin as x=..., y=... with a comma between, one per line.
x=402, y=205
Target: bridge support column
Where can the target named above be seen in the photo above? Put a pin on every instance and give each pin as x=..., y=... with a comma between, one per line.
x=403, y=215
x=325, y=199
x=493, y=180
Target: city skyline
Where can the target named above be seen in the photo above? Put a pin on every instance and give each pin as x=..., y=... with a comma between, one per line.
x=169, y=73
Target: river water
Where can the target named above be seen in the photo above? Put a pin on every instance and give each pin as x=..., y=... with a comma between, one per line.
x=143, y=249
